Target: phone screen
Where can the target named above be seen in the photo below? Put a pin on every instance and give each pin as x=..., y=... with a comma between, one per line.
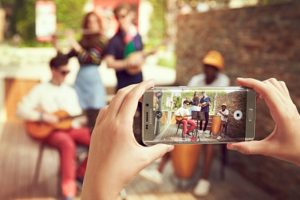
x=196, y=115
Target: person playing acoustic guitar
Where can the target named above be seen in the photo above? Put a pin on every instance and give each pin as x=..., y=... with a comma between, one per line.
x=124, y=49
x=183, y=115
x=40, y=106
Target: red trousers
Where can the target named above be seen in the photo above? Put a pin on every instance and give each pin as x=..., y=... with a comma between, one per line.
x=65, y=142
x=187, y=129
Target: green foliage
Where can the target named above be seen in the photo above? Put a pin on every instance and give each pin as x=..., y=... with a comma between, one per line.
x=69, y=13
x=167, y=60
x=22, y=22
x=25, y=20
x=158, y=23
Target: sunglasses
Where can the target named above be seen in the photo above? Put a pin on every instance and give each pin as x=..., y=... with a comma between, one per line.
x=122, y=16
x=64, y=72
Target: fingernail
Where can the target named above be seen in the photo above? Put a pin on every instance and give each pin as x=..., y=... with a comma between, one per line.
x=231, y=147
x=170, y=148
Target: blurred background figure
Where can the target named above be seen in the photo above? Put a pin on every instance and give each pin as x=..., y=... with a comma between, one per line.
x=89, y=52
x=213, y=65
x=42, y=105
x=124, y=49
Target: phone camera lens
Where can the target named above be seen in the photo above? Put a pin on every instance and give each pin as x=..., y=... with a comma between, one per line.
x=147, y=104
x=237, y=115
x=158, y=114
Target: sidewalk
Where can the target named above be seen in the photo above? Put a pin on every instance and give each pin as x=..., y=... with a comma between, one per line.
x=233, y=187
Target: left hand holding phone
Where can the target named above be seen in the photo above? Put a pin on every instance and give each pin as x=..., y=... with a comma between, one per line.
x=115, y=157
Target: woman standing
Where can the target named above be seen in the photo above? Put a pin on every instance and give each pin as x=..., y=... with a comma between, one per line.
x=89, y=51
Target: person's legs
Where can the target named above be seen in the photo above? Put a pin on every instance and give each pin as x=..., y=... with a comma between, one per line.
x=208, y=158
x=206, y=120
x=201, y=121
x=91, y=114
x=184, y=126
x=81, y=136
x=66, y=146
x=192, y=125
x=203, y=186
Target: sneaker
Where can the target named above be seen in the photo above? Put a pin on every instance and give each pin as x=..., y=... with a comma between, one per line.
x=152, y=175
x=219, y=137
x=123, y=194
x=207, y=133
x=200, y=132
x=68, y=198
x=202, y=188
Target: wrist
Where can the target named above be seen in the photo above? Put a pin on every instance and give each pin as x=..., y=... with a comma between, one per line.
x=126, y=63
x=100, y=184
x=99, y=188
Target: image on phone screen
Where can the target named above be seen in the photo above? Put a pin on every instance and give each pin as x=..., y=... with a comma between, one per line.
x=186, y=115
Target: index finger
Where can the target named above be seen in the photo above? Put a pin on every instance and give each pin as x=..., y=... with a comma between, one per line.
x=263, y=89
x=129, y=105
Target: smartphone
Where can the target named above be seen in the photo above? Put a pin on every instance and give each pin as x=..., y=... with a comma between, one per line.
x=198, y=115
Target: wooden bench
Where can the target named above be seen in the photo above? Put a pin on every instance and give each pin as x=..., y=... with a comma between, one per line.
x=27, y=169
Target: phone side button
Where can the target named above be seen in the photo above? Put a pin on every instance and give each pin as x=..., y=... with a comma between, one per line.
x=250, y=114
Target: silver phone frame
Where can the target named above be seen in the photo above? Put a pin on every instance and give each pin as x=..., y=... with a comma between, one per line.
x=147, y=113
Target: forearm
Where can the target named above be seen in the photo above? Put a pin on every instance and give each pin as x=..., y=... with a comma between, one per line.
x=116, y=64
x=28, y=114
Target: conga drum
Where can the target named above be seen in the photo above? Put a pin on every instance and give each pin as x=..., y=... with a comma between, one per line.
x=185, y=160
x=216, y=125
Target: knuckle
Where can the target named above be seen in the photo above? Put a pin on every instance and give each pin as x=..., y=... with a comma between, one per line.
x=121, y=92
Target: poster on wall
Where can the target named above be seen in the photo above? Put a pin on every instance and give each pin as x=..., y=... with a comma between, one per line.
x=45, y=20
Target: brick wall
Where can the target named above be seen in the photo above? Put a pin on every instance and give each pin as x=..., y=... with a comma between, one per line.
x=259, y=42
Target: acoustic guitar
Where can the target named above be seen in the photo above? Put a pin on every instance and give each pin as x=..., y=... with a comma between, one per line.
x=180, y=118
x=40, y=129
x=137, y=56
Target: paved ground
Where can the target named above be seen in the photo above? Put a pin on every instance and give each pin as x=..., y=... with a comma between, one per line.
x=233, y=187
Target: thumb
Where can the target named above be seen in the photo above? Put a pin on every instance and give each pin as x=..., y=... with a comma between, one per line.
x=157, y=151
x=252, y=147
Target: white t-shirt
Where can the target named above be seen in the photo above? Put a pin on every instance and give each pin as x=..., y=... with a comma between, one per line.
x=49, y=98
x=222, y=80
x=225, y=112
x=182, y=112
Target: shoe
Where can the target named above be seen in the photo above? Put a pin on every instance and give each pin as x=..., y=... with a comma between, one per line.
x=123, y=194
x=219, y=137
x=202, y=188
x=207, y=133
x=152, y=175
x=200, y=132
x=79, y=182
x=68, y=198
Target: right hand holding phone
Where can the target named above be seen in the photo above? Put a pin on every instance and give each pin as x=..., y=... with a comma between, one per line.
x=282, y=143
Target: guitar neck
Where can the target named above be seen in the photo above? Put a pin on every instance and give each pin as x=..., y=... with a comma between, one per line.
x=71, y=117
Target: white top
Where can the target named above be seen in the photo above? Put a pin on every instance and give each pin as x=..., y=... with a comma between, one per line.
x=182, y=112
x=225, y=112
x=222, y=80
x=49, y=98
